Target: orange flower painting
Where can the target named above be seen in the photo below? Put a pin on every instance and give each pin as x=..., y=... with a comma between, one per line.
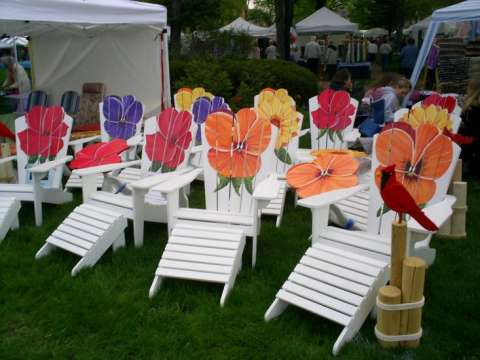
x=236, y=144
x=421, y=157
x=329, y=171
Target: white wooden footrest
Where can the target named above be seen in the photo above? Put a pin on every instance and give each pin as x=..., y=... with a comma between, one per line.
x=202, y=253
x=335, y=284
x=9, y=208
x=87, y=232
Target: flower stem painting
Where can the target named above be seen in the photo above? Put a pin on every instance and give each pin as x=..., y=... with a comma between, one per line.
x=42, y=139
x=122, y=115
x=166, y=147
x=329, y=171
x=278, y=108
x=236, y=143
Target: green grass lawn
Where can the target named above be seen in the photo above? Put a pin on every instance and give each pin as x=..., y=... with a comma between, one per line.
x=105, y=312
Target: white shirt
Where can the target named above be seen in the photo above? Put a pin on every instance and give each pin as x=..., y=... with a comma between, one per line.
x=372, y=48
x=271, y=52
x=385, y=49
x=331, y=57
x=21, y=80
x=312, y=50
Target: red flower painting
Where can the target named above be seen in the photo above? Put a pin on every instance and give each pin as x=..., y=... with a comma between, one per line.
x=99, y=154
x=45, y=130
x=166, y=148
x=334, y=112
x=445, y=102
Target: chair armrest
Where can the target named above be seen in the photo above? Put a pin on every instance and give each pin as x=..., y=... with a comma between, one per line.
x=154, y=180
x=105, y=168
x=268, y=189
x=84, y=140
x=438, y=213
x=177, y=181
x=330, y=197
x=49, y=165
x=303, y=132
x=351, y=136
x=135, y=140
x=8, y=159
x=196, y=149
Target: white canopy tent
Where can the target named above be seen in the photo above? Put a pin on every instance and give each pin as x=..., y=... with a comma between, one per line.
x=465, y=11
x=422, y=25
x=242, y=25
x=10, y=42
x=375, y=32
x=120, y=43
x=324, y=20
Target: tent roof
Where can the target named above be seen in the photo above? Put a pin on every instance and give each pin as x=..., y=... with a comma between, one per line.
x=10, y=42
x=445, y=27
x=325, y=20
x=14, y=14
x=466, y=10
x=242, y=25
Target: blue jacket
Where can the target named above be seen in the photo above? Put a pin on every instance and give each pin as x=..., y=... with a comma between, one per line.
x=408, y=56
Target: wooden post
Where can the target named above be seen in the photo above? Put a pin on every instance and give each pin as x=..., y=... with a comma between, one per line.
x=458, y=222
x=413, y=281
x=388, y=322
x=457, y=174
x=399, y=248
x=6, y=170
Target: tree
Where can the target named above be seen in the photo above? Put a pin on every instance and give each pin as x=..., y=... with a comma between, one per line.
x=283, y=22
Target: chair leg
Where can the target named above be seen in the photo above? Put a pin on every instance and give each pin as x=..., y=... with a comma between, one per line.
x=254, y=251
x=16, y=223
x=157, y=282
x=37, y=207
x=275, y=309
x=44, y=251
x=119, y=242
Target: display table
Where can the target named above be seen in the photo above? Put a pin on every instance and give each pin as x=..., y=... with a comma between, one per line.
x=362, y=70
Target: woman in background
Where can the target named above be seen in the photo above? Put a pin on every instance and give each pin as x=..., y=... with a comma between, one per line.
x=471, y=127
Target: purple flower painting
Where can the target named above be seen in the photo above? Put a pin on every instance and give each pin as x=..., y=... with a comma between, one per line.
x=203, y=106
x=122, y=116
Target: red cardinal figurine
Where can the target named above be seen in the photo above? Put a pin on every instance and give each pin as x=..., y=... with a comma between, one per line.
x=457, y=138
x=397, y=198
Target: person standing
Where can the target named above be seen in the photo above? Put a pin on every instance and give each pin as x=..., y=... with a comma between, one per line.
x=271, y=51
x=312, y=54
x=17, y=78
x=432, y=63
x=408, y=58
x=331, y=58
x=385, y=51
x=372, y=50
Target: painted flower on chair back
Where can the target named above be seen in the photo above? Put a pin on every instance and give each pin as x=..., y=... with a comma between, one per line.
x=121, y=116
x=42, y=139
x=279, y=109
x=333, y=114
x=431, y=114
x=421, y=156
x=445, y=102
x=185, y=97
x=202, y=107
x=166, y=147
x=236, y=143
x=102, y=153
x=329, y=171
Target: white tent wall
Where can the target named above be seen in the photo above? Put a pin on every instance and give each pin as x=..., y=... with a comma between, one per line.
x=127, y=61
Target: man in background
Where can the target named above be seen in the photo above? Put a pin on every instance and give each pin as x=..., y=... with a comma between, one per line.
x=312, y=54
x=271, y=51
x=408, y=58
x=385, y=51
x=372, y=50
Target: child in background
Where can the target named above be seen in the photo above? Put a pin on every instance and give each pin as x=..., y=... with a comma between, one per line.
x=341, y=80
x=390, y=88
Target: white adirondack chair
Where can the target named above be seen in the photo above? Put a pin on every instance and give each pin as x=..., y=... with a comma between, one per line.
x=145, y=203
x=317, y=142
x=39, y=182
x=74, y=181
x=456, y=119
x=276, y=206
x=206, y=244
x=339, y=276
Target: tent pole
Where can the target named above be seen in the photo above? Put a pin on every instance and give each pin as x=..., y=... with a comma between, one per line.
x=422, y=56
